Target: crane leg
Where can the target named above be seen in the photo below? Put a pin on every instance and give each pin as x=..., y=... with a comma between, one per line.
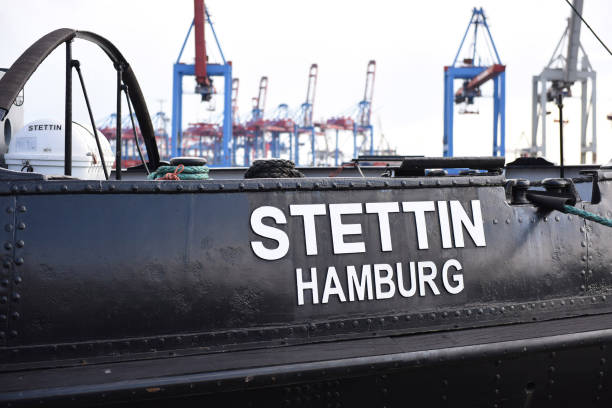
x=371, y=140
x=312, y=145
x=336, y=151
x=495, y=116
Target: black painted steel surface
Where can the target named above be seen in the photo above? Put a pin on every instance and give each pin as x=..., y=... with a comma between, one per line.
x=183, y=281
x=199, y=273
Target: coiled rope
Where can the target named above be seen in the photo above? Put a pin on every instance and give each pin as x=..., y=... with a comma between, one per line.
x=588, y=215
x=272, y=168
x=180, y=172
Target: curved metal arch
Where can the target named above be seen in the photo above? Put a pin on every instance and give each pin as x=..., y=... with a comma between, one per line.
x=16, y=77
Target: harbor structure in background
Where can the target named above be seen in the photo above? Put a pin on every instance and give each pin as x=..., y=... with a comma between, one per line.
x=556, y=79
x=359, y=122
x=475, y=71
x=203, y=70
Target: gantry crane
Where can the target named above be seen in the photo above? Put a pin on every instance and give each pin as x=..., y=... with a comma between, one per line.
x=203, y=71
x=304, y=120
x=279, y=124
x=254, y=141
x=339, y=123
x=555, y=82
x=474, y=74
x=363, y=122
x=359, y=120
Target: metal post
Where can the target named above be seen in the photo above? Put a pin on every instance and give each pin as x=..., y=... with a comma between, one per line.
x=118, y=125
x=77, y=66
x=68, y=112
x=129, y=104
x=495, y=115
x=451, y=114
x=502, y=111
x=177, y=101
x=543, y=113
x=227, y=115
x=449, y=77
x=534, y=115
x=371, y=140
x=560, y=106
x=594, y=116
x=445, y=121
x=583, y=121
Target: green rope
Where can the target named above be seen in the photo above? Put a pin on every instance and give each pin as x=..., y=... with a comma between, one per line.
x=188, y=173
x=588, y=215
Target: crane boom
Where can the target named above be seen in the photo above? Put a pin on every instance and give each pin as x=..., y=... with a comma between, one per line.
x=203, y=82
x=365, y=110
x=486, y=75
x=312, y=83
x=306, y=110
x=259, y=102
x=200, y=43
x=369, y=87
x=573, y=43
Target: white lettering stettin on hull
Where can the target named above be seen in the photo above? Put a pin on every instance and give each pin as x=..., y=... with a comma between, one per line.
x=346, y=235
x=458, y=218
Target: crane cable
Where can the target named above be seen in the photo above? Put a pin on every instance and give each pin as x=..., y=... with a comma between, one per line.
x=588, y=26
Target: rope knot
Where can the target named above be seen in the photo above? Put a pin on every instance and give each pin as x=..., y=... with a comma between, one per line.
x=173, y=176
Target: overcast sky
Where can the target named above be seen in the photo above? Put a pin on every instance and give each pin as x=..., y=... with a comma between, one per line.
x=411, y=42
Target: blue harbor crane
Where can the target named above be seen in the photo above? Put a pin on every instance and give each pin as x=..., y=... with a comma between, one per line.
x=304, y=121
x=280, y=123
x=363, y=124
x=475, y=72
x=202, y=70
x=358, y=121
x=254, y=144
